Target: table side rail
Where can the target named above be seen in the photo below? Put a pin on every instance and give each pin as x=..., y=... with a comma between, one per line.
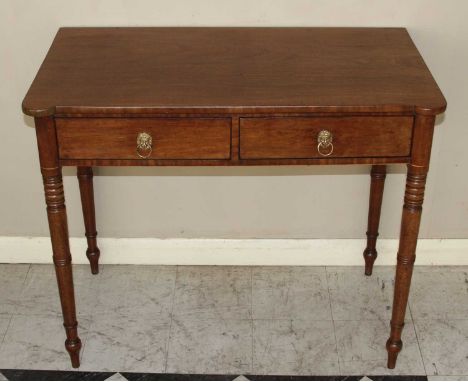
x=224, y=140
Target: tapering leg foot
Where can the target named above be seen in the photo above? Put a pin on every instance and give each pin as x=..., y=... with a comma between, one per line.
x=378, y=174
x=394, y=345
x=369, y=258
x=85, y=180
x=393, y=350
x=93, y=257
x=73, y=349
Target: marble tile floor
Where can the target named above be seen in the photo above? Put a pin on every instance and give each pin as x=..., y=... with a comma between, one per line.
x=236, y=320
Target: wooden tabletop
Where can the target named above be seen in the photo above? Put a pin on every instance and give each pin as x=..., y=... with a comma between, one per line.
x=206, y=70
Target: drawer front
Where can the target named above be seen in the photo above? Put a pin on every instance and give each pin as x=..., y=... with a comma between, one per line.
x=144, y=138
x=298, y=138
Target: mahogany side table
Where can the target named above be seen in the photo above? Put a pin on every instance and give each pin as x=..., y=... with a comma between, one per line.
x=233, y=97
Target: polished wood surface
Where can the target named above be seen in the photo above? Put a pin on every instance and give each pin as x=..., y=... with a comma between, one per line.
x=265, y=138
x=115, y=138
x=233, y=97
x=140, y=70
x=85, y=180
x=378, y=174
x=240, y=162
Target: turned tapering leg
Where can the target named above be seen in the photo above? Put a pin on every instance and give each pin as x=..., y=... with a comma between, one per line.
x=85, y=180
x=57, y=216
x=378, y=174
x=411, y=217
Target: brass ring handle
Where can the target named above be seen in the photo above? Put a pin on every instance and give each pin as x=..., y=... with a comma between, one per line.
x=144, y=146
x=325, y=143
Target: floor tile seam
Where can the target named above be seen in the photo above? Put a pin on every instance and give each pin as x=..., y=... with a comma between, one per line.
x=417, y=339
x=88, y=333
x=168, y=340
x=102, y=270
x=424, y=363
x=6, y=330
x=23, y=286
x=27, y=273
x=327, y=274
x=83, y=344
x=333, y=321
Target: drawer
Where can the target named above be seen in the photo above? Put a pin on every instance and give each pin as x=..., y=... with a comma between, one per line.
x=340, y=137
x=144, y=138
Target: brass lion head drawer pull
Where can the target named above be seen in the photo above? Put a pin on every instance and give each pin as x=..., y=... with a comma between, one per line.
x=144, y=145
x=325, y=143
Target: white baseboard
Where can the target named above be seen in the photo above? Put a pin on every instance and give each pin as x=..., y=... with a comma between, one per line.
x=234, y=252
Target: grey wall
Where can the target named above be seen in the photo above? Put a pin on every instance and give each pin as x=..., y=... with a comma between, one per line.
x=234, y=202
